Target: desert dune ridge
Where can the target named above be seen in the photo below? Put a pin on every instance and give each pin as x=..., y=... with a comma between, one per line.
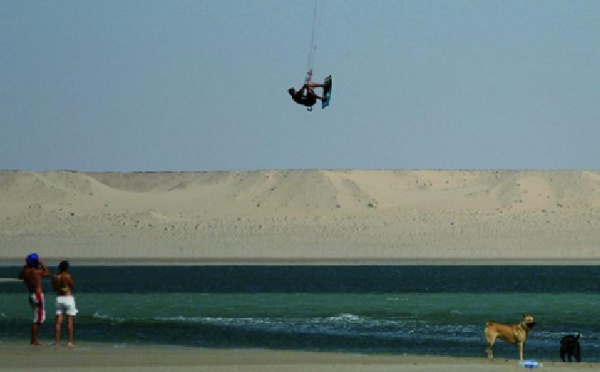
x=296, y=215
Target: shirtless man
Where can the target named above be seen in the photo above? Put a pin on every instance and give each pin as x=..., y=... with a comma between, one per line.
x=32, y=274
x=63, y=284
x=306, y=96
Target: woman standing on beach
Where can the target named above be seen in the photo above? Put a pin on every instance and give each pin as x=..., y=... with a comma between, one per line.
x=65, y=302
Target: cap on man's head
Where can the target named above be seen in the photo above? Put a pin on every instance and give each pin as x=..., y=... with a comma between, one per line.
x=32, y=260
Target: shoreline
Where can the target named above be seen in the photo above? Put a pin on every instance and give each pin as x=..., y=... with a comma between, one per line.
x=313, y=262
x=98, y=357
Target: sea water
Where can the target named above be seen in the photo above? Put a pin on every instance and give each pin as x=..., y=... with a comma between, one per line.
x=421, y=310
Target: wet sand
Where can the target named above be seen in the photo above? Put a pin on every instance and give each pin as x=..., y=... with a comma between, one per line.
x=156, y=358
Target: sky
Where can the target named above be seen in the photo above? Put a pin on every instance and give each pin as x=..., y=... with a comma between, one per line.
x=174, y=85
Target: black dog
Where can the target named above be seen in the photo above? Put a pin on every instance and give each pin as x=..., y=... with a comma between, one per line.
x=569, y=346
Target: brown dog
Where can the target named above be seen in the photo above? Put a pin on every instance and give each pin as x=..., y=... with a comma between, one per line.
x=511, y=333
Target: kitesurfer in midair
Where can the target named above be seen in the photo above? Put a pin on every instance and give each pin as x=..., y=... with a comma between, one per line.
x=306, y=96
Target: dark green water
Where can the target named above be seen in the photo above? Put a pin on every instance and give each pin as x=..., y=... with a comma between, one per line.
x=437, y=310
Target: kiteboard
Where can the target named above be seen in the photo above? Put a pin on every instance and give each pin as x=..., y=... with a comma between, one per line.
x=326, y=92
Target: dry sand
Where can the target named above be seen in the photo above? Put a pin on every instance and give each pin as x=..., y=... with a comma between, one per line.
x=302, y=215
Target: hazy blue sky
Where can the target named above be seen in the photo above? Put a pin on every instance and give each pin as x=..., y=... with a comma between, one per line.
x=142, y=85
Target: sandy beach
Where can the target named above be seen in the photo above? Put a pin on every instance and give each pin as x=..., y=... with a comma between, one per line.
x=102, y=357
x=296, y=216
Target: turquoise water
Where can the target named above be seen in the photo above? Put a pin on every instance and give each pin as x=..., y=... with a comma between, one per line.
x=437, y=310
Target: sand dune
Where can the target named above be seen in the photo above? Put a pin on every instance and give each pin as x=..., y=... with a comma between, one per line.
x=301, y=214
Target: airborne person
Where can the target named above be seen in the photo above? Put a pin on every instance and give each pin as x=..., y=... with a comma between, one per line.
x=306, y=96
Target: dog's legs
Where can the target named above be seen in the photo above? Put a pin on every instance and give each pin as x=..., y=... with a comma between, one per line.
x=490, y=344
x=490, y=337
x=521, y=345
